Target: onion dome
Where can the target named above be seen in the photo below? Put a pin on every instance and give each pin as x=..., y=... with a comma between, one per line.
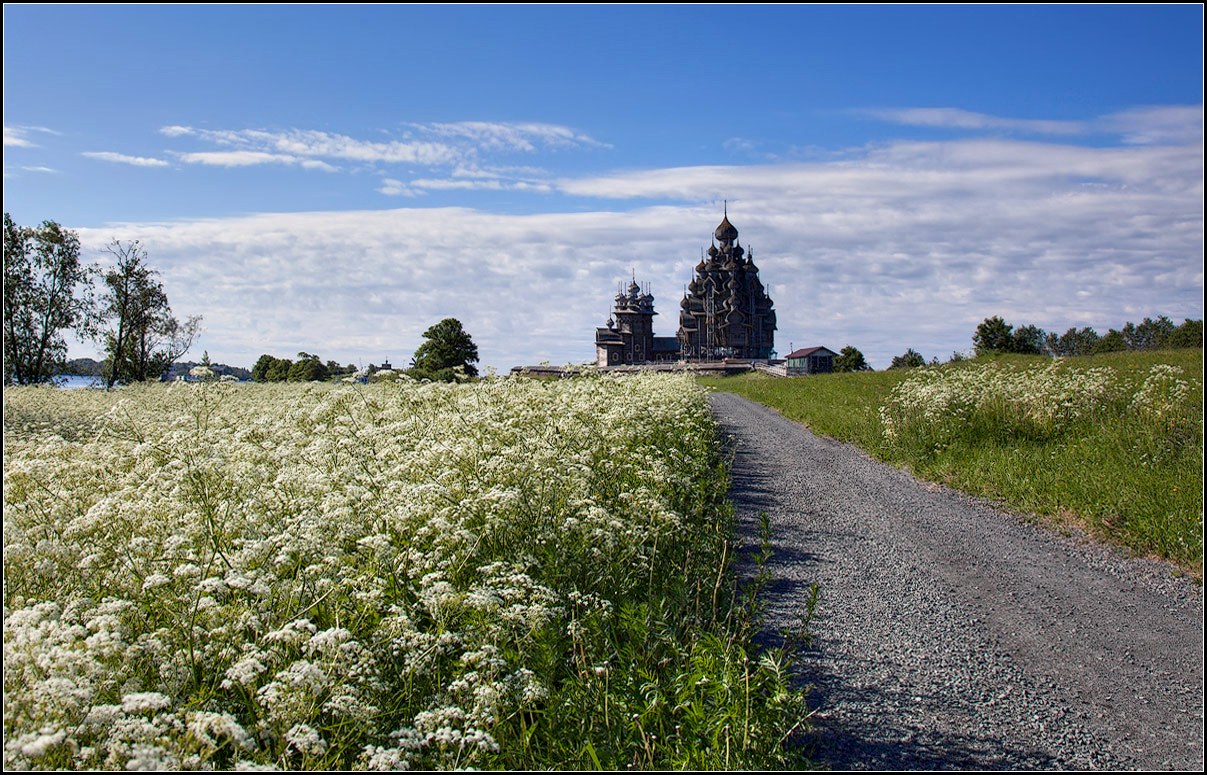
x=611, y=323
x=725, y=231
x=712, y=251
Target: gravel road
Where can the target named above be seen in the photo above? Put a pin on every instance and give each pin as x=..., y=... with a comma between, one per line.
x=953, y=635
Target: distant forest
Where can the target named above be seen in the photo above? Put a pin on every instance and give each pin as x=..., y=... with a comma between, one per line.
x=87, y=367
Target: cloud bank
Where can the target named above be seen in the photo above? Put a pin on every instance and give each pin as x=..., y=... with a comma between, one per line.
x=897, y=245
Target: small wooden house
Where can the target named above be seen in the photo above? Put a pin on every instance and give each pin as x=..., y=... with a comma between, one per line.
x=810, y=360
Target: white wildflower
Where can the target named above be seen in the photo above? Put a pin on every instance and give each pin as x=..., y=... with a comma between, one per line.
x=140, y=702
x=306, y=740
x=154, y=581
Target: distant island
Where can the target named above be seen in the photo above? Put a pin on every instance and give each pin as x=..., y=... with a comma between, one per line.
x=87, y=367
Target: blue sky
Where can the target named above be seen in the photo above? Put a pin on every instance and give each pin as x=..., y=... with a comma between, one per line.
x=335, y=179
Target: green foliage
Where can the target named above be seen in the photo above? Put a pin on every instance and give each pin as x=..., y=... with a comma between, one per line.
x=1111, y=342
x=1028, y=340
x=850, y=359
x=308, y=368
x=995, y=335
x=1189, y=334
x=447, y=354
x=1075, y=341
x=45, y=293
x=910, y=359
x=270, y=369
x=144, y=339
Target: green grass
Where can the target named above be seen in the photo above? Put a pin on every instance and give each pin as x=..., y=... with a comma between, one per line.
x=1130, y=475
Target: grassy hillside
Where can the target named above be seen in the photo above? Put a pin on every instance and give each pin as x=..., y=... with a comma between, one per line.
x=1112, y=443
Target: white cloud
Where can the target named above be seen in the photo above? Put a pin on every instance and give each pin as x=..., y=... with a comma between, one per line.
x=1158, y=125
x=395, y=187
x=520, y=136
x=236, y=158
x=121, y=158
x=956, y=118
x=1149, y=125
x=455, y=147
x=18, y=136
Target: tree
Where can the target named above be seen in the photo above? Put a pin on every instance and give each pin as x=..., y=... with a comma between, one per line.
x=1111, y=342
x=993, y=335
x=1149, y=335
x=910, y=359
x=1072, y=342
x=308, y=368
x=447, y=349
x=259, y=371
x=144, y=339
x=1189, y=334
x=850, y=359
x=46, y=291
x=1028, y=340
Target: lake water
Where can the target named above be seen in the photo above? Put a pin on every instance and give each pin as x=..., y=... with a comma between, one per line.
x=72, y=381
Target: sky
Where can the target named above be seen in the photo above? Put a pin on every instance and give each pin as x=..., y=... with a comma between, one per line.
x=336, y=179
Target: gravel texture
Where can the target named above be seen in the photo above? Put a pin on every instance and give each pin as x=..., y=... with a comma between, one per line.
x=950, y=634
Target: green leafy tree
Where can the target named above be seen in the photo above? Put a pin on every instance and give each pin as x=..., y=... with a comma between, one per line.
x=1111, y=342
x=850, y=359
x=993, y=335
x=910, y=359
x=279, y=371
x=1149, y=335
x=272, y=369
x=259, y=371
x=46, y=292
x=1028, y=340
x=1189, y=334
x=1075, y=341
x=144, y=339
x=447, y=352
x=308, y=368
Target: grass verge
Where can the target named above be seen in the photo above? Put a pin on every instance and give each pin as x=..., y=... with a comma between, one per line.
x=1112, y=444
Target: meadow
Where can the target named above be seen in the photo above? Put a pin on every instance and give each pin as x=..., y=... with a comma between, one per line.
x=508, y=574
x=1111, y=444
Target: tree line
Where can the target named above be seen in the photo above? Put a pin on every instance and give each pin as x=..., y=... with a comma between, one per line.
x=447, y=354
x=48, y=291
x=995, y=336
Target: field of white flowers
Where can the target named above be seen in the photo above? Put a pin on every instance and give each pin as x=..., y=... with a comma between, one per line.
x=512, y=573
x=935, y=405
